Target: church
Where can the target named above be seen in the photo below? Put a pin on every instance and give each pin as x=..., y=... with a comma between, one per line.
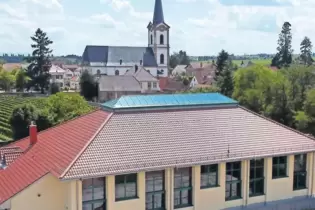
x=117, y=60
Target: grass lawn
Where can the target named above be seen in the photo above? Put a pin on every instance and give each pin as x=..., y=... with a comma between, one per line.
x=256, y=61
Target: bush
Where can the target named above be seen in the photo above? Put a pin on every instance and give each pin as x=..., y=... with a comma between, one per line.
x=54, y=88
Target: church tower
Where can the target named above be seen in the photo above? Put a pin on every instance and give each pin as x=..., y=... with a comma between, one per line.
x=158, y=39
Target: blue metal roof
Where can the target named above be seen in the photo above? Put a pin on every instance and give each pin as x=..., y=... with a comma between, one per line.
x=168, y=101
x=158, y=16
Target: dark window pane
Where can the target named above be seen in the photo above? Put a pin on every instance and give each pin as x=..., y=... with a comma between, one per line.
x=177, y=182
x=120, y=179
x=283, y=159
x=214, y=168
x=204, y=169
x=120, y=191
x=149, y=201
x=282, y=170
x=87, y=206
x=158, y=201
x=87, y=194
x=259, y=186
x=176, y=198
x=131, y=178
x=185, y=197
x=98, y=206
x=236, y=175
x=86, y=183
x=236, y=165
x=98, y=193
x=274, y=171
x=275, y=160
x=131, y=190
x=228, y=166
x=158, y=184
x=252, y=173
x=186, y=181
x=259, y=173
x=149, y=185
x=98, y=182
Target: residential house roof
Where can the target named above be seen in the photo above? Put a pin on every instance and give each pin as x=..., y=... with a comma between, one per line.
x=113, y=54
x=55, y=69
x=96, y=145
x=179, y=69
x=55, y=150
x=142, y=75
x=172, y=84
x=204, y=75
x=118, y=83
x=10, y=154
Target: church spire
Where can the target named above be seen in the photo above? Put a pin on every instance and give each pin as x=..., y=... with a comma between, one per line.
x=158, y=16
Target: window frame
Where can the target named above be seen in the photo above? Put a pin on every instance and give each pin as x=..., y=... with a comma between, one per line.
x=158, y=192
x=162, y=57
x=125, y=176
x=154, y=85
x=278, y=167
x=208, y=175
x=256, y=179
x=95, y=201
x=189, y=189
x=298, y=174
x=231, y=182
x=161, y=39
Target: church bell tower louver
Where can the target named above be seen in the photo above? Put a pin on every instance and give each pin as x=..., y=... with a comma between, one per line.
x=158, y=39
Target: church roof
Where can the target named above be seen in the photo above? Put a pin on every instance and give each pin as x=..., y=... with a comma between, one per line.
x=158, y=16
x=113, y=54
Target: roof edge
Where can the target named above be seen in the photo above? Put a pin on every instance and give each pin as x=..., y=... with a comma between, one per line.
x=86, y=146
x=280, y=124
x=48, y=129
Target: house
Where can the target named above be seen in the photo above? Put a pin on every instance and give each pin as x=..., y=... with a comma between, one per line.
x=179, y=70
x=116, y=60
x=112, y=87
x=172, y=85
x=202, y=74
x=57, y=75
x=75, y=83
x=170, y=151
x=148, y=82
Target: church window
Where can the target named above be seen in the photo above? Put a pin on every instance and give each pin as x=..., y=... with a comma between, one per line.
x=161, y=39
x=98, y=72
x=162, y=59
x=116, y=72
x=151, y=39
x=120, y=61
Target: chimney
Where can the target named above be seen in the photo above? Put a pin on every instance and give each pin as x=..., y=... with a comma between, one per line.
x=33, y=133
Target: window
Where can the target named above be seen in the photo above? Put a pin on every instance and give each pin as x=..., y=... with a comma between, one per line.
x=162, y=59
x=233, y=186
x=154, y=85
x=140, y=62
x=98, y=72
x=161, y=39
x=299, y=180
x=93, y=194
x=116, y=72
x=120, y=61
x=209, y=176
x=125, y=187
x=279, y=167
x=256, y=177
x=155, y=194
x=149, y=85
x=182, y=188
x=151, y=39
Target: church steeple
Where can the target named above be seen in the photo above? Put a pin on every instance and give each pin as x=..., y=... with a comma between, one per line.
x=158, y=16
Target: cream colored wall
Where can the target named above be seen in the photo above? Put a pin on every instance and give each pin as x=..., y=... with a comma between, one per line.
x=47, y=193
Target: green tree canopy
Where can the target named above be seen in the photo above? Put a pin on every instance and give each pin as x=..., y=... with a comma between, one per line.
x=38, y=70
x=306, y=52
x=88, y=86
x=179, y=58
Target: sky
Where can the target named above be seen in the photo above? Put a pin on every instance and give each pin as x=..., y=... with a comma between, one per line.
x=200, y=27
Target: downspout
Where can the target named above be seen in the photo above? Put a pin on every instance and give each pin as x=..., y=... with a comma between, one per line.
x=312, y=169
x=77, y=195
x=171, y=188
x=247, y=182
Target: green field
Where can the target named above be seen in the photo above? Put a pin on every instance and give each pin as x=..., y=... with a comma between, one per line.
x=255, y=61
x=7, y=104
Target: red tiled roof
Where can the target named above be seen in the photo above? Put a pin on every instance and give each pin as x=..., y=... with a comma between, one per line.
x=54, y=151
x=179, y=138
x=10, y=153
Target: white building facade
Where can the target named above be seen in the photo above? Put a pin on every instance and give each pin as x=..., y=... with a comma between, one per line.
x=116, y=60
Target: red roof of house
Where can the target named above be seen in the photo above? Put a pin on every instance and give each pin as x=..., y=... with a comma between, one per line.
x=53, y=153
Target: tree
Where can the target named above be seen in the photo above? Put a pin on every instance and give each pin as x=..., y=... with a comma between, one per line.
x=306, y=52
x=225, y=80
x=40, y=64
x=211, y=89
x=65, y=106
x=88, y=86
x=283, y=58
x=179, y=58
x=21, y=79
x=54, y=88
x=221, y=63
x=7, y=80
